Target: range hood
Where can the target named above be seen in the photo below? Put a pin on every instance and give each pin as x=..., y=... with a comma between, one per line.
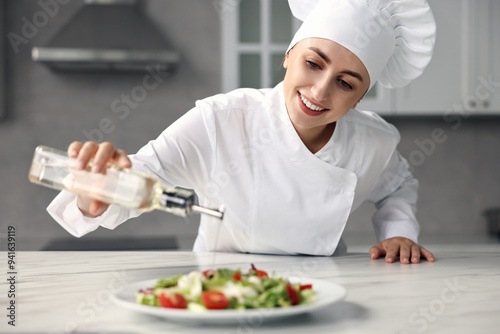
x=108, y=36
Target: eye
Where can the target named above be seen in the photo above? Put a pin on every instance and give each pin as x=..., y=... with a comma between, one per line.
x=345, y=85
x=312, y=64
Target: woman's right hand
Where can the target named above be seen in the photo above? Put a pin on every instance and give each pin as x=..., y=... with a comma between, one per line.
x=103, y=155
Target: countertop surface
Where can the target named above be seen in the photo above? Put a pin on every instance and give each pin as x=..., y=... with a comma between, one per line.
x=69, y=292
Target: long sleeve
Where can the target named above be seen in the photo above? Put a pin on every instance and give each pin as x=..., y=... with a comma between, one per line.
x=180, y=156
x=65, y=211
x=395, y=198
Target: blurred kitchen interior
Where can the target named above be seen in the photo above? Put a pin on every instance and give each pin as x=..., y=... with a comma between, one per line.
x=448, y=119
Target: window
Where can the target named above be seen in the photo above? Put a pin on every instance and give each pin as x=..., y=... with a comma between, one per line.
x=255, y=36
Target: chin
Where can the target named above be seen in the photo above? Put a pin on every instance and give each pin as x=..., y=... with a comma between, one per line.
x=302, y=121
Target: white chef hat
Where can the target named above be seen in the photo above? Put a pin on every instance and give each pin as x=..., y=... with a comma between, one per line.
x=393, y=38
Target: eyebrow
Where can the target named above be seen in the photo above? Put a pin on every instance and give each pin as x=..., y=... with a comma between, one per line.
x=353, y=74
x=321, y=54
x=328, y=61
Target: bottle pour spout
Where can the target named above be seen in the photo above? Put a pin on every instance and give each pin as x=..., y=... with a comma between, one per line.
x=182, y=203
x=217, y=213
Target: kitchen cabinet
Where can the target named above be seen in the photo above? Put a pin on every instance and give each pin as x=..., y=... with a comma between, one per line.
x=440, y=86
x=464, y=74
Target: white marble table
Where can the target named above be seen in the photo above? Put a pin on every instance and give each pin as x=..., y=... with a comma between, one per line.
x=68, y=292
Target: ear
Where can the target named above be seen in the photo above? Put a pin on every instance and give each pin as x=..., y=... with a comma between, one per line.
x=285, y=60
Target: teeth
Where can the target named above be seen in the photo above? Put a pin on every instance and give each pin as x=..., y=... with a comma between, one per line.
x=310, y=105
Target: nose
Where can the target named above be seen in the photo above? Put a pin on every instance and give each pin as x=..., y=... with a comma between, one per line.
x=321, y=89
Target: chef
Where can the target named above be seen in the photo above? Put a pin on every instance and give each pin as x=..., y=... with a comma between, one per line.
x=292, y=162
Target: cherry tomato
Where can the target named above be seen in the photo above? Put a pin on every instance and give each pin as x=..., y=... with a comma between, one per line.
x=214, y=300
x=292, y=294
x=209, y=273
x=175, y=300
x=237, y=276
x=260, y=273
x=306, y=286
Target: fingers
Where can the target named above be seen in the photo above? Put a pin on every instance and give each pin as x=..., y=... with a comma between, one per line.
x=91, y=207
x=376, y=251
x=87, y=152
x=102, y=154
x=121, y=159
x=74, y=148
x=408, y=251
x=405, y=252
x=426, y=254
x=387, y=248
x=391, y=252
x=418, y=252
x=97, y=208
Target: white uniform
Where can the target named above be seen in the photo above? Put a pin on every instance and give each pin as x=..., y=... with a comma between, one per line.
x=240, y=149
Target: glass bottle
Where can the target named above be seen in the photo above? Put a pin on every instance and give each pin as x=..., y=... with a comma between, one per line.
x=122, y=186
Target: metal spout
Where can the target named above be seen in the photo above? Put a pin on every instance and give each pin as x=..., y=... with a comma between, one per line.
x=217, y=213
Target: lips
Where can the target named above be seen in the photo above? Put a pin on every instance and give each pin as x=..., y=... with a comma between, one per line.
x=307, y=110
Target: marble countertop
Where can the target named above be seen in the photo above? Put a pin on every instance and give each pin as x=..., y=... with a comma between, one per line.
x=69, y=292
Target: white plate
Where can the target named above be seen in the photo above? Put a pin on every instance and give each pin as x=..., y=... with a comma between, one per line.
x=327, y=293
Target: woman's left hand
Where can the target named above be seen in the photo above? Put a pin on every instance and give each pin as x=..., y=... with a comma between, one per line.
x=406, y=249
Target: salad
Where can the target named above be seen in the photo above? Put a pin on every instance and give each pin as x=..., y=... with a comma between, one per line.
x=225, y=289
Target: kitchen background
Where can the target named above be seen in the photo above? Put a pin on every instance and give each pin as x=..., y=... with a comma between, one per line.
x=448, y=119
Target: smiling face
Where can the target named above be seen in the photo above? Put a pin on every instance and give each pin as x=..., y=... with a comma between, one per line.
x=323, y=81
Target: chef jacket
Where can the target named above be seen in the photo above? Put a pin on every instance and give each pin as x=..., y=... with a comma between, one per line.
x=241, y=150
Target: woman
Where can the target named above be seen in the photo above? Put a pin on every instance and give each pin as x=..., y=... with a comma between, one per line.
x=291, y=163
